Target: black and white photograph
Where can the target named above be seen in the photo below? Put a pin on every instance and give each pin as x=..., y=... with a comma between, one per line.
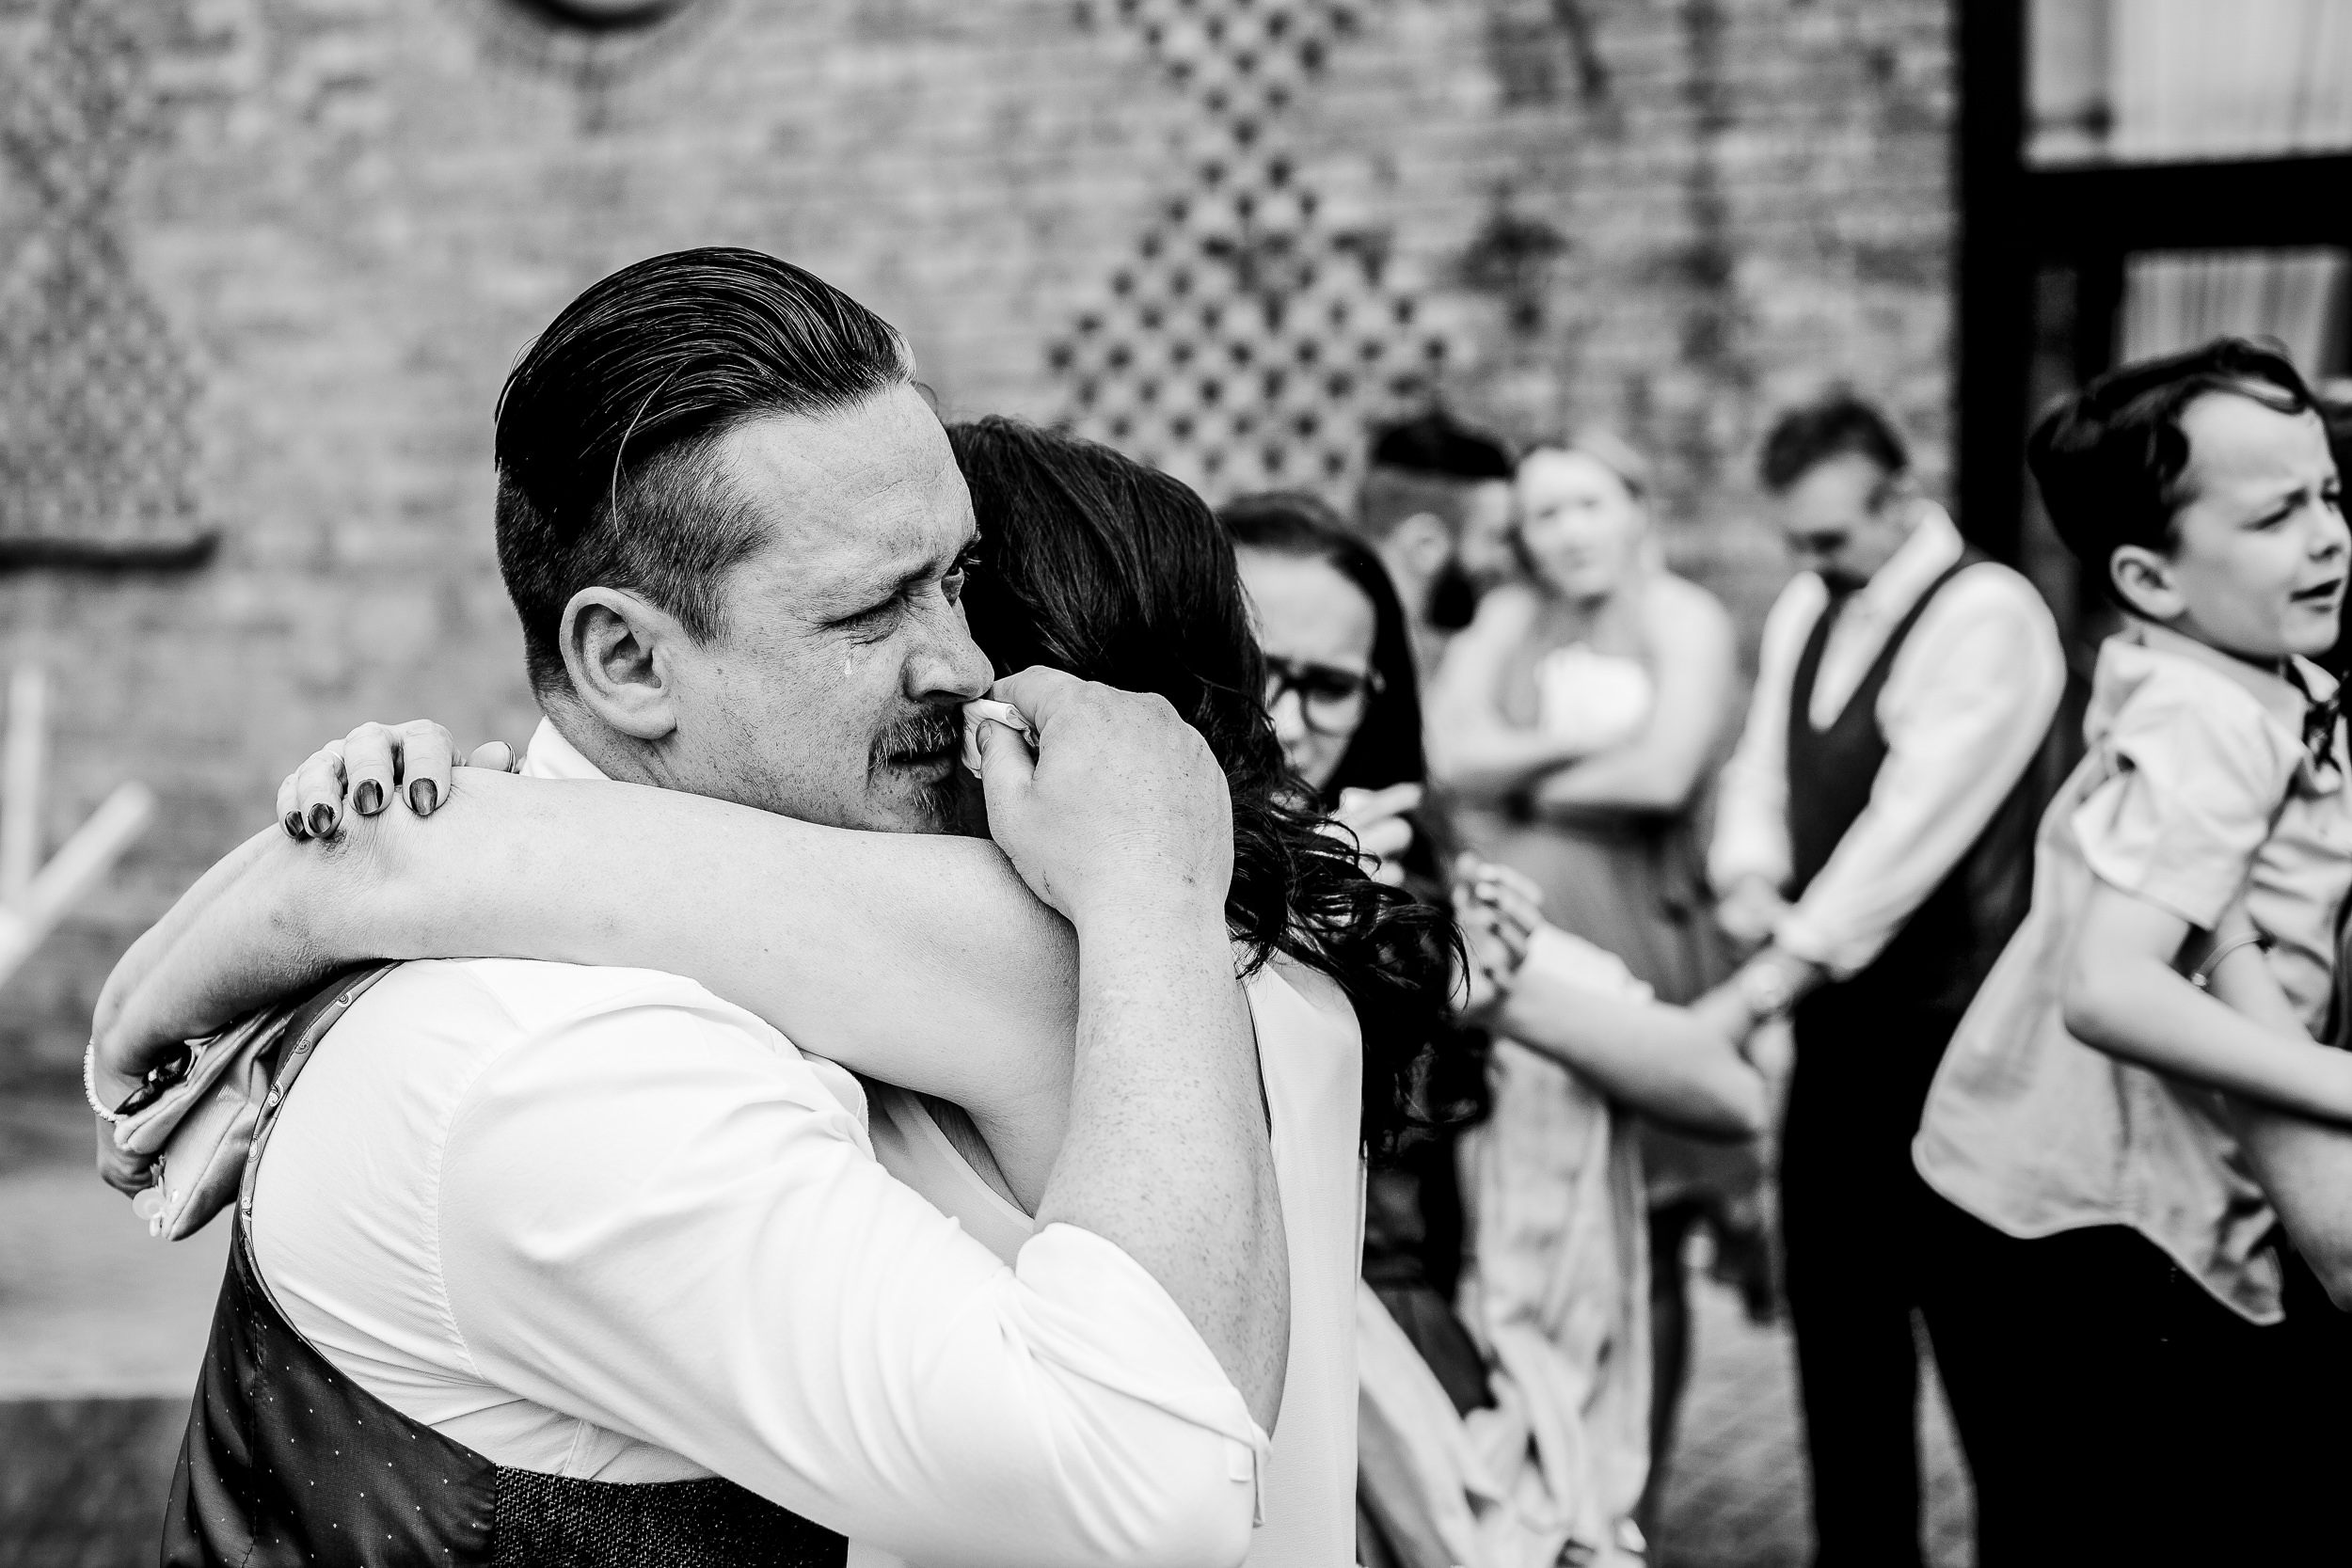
x=1175, y=784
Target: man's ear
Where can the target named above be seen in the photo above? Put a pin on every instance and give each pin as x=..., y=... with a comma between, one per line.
x=619, y=651
x=2145, y=579
x=1425, y=542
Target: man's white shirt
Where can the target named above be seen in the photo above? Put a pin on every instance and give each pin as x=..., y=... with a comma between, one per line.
x=598, y=1223
x=1964, y=709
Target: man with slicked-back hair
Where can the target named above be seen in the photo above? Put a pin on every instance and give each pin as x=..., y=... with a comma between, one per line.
x=556, y=1263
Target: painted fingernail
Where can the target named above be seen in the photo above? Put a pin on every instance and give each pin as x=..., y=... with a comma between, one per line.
x=294, y=826
x=321, y=820
x=423, y=796
x=367, y=799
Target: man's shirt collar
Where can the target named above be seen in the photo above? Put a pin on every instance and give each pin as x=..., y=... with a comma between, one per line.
x=1934, y=544
x=551, y=757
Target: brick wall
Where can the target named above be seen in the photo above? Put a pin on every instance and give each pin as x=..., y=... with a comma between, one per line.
x=344, y=217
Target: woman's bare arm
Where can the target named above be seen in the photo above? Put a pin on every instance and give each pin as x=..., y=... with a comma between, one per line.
x=1662, y=766
x=1680, y=1066
x=1474, y=752
x=919, y=959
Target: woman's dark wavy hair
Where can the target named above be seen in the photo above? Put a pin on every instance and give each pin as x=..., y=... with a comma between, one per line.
x=1450, y=1089
x=1093, y=563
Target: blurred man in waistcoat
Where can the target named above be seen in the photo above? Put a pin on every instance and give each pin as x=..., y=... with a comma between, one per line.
x=1874, y=842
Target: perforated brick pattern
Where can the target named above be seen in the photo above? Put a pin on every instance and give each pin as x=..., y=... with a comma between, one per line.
x=1246, y=342
x=95, y=390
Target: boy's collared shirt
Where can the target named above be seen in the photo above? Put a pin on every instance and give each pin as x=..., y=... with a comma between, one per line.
x=2197, y=789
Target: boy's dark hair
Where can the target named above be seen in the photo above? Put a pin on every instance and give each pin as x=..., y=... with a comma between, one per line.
x=2109, y=458
x=1837, y=426
x=605, y=425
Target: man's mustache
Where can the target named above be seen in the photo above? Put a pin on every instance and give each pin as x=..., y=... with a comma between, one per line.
x=922, y=736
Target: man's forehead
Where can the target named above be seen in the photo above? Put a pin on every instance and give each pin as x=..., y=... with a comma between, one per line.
x=1836, y=491
x=853, y=491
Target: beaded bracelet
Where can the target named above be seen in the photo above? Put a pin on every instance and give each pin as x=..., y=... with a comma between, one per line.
x=89, y=1088
x=152, y=1087
x=2202, y=979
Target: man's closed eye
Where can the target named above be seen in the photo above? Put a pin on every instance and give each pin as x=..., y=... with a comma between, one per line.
x=875, y=621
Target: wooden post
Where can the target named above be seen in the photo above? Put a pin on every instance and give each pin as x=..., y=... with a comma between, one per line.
x=1993, y=325
x=34, y=897
x=23, y=762
x=76, y=868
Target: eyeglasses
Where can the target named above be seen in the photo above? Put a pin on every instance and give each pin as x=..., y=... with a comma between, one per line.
x=1330, y=699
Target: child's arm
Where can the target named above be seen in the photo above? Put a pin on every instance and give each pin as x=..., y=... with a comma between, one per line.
x=2123, y=996
x=2305, y=1165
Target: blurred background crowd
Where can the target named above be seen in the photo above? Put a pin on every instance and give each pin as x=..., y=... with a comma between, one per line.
x=1527, y=348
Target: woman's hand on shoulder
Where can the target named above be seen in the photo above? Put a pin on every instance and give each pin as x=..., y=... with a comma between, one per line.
x=268, y=918
x=366, y=769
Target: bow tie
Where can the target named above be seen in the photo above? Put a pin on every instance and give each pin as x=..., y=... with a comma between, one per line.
x=2320, y=717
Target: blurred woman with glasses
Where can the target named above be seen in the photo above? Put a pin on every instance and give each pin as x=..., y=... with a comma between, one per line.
x=1317, y=706
x=1341, y=684
x=1503, y=1339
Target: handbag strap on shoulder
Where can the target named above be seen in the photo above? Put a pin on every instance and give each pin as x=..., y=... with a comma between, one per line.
x=298, y=1032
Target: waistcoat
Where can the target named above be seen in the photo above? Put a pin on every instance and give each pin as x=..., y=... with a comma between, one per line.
x=1945, y=948
x=289, y=1463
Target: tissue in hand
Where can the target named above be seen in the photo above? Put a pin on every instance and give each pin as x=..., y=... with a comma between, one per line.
x=987, y=710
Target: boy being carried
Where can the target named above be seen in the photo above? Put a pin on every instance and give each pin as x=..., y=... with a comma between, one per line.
x=2103, y=1297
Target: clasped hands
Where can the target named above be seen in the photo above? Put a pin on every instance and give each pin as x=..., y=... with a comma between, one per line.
x=1497, y=908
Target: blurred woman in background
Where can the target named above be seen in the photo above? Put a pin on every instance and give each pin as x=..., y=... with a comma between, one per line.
x=1580, y=718
x=1577, y=725
x=1519, y=1425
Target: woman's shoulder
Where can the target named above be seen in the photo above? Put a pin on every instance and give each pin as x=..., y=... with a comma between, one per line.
x=1679, y=617
x=1509, y=609
x=1310, y=1059
x=1298, y=995
x=1678, y=603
